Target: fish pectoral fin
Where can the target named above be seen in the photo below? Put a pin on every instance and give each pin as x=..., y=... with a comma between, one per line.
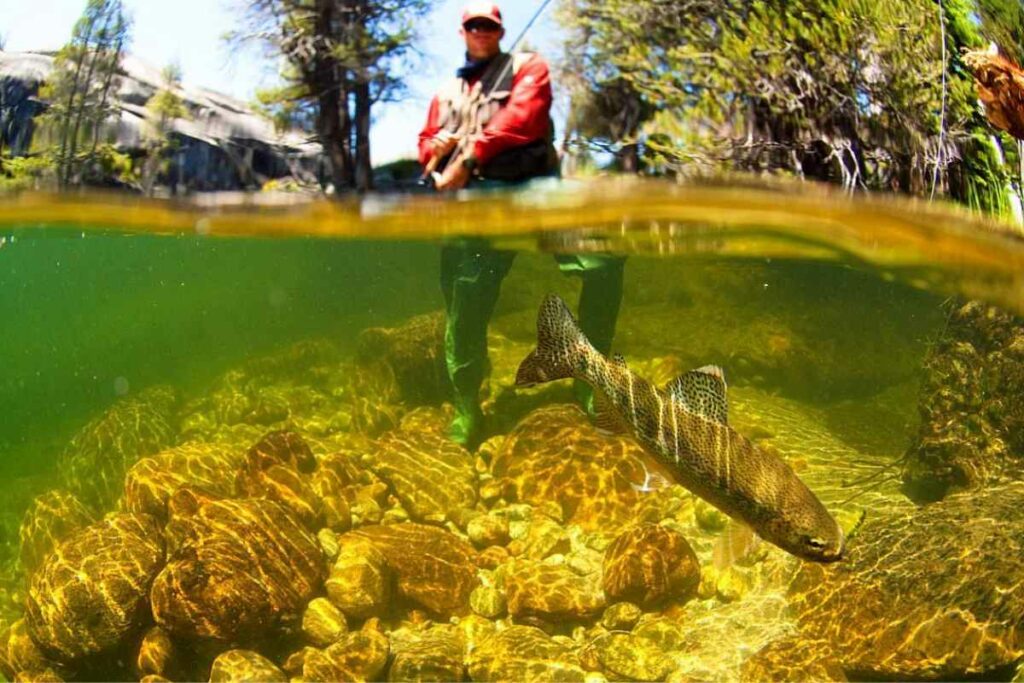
x=651, y=482
x=702, y=392
x=736, y=542
x=606, y=417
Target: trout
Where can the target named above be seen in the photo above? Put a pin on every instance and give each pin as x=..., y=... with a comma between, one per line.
x=685, y=426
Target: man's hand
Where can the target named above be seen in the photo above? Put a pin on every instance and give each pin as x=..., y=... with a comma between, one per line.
x=442, y=145
x=454, y=177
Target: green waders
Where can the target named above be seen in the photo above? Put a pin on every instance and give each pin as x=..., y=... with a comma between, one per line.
x=471, y=275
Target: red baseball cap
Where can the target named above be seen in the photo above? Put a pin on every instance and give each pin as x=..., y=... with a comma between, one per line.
x=482, y=10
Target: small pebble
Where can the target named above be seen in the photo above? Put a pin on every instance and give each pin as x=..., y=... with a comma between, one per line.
x=622, y=616
x=488, y=602
x=732, y=585
x=323, y=623
x=328, y=543
x=708, y=517
x=488, y=530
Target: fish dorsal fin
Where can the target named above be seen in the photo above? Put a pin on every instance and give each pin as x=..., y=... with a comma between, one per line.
x=702, y=392
x=606, y=417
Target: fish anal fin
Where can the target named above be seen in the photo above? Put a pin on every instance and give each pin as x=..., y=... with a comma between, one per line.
x=732, y=545
x=702, y=392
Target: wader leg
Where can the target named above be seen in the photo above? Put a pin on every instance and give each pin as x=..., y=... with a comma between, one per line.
x=599, y=305
x=471, y=275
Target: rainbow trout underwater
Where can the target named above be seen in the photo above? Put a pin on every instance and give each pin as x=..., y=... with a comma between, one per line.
x=686, y=427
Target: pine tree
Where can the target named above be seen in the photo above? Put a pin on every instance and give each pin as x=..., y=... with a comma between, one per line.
x=856, y=93
x=80, y=89
x=163, y=108
x=341, y=57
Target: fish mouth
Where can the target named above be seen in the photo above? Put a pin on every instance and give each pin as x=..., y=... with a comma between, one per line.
x=829, y=558
x=836, y=554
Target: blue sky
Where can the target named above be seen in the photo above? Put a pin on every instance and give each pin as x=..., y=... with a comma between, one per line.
x=189, y=32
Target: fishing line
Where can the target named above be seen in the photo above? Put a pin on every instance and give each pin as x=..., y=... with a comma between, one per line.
x=942, y=117
x=519, y=38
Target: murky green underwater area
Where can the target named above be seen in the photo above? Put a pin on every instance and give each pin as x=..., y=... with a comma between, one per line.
x=223, y=451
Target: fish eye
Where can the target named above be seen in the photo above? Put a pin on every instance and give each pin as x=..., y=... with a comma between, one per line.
x=816, y=543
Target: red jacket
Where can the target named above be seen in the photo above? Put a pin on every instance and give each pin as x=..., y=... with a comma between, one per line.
x=524, y=118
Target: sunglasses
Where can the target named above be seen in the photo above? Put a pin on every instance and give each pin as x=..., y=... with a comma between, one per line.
x=481, y=26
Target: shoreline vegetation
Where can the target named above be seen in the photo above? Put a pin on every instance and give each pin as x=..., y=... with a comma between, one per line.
x=874, y=98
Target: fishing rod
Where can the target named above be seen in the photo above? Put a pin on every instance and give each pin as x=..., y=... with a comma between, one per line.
x=431, y=173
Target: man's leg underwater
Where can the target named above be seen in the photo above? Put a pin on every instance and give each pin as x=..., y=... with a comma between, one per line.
x=599, y=305
x=471, y=275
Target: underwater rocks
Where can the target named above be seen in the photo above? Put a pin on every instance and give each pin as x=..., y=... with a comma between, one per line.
x=360, y=582
x=551, y=592
x=650, y=564
x=436, y=654
x=150, y=483
x=543, y=537
x=245, y=666
x=524, y=653
x=488, y=602
x=156, y=653
x=323, y=623
x=430, y=475
x=555, y=455
x=238, y=569
x=51, y=518
x=91, y=593
x=936, y=594
x=622, y=616
x=628, y=657
x=488, y=530
x=972, y=415
x=414, y=354
x=278, y=468
x=432, y=567
x=793, y=659
x=358, y=656
x=19, y=654
x=94, y=463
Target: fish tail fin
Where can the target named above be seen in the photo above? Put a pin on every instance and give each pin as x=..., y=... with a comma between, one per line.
x=560, y=343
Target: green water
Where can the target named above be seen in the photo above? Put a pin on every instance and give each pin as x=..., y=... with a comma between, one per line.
x=824, y=357
x=93, y=317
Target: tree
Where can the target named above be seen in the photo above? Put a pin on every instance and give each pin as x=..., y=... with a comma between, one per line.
x=1003, y=22
x=870, y=94
x=340, y=58
x=163, y=108
x=79, y=89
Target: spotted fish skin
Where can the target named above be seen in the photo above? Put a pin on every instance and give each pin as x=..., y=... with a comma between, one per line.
x=685, y=427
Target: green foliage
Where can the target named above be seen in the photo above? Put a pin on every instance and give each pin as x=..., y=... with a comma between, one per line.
x=80, y=91
x=286, y=107
x=847, y=91
x=163, y=108
x=340, y=57
x=115, y=165
x=24, y=173
x=1003, y=22
x=167, y=105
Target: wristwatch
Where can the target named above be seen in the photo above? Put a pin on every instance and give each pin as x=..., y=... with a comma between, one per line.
x=470, y=163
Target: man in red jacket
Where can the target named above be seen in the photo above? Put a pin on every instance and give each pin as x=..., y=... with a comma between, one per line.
x=491, y=127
